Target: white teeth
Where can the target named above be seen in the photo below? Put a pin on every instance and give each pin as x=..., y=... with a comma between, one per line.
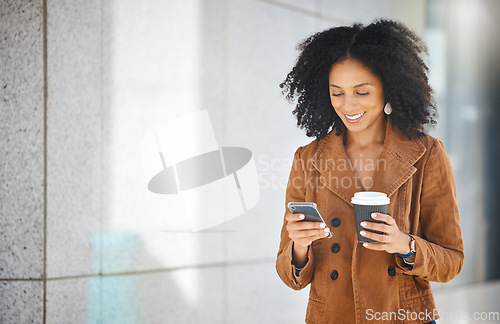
x=355, y=116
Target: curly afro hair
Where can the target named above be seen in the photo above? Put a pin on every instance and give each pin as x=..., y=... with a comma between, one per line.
x=389, y=49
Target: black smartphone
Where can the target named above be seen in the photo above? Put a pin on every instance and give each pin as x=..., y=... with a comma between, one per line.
x=310, y=211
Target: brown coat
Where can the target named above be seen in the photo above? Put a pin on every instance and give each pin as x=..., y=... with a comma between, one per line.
x=418, y=177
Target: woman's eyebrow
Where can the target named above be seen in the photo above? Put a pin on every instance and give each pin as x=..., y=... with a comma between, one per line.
x=362, y=84
x=356, y=86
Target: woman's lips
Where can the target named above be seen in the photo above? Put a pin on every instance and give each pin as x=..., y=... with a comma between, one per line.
x=354, y=118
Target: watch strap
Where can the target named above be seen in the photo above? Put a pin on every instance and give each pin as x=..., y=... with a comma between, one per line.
x=404, y=256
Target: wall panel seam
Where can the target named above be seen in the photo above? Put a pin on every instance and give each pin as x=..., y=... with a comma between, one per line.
x=45, y=112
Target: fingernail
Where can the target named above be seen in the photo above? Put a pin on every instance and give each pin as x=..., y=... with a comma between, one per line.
x=362, y=233
x=365, y=244
x=374, y=215
x=363, y=224
x=326, y=234
x=327, y=230
x=301, y=216
x=322, y=225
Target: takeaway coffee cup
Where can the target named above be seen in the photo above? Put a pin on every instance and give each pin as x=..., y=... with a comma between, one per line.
x=365, y=203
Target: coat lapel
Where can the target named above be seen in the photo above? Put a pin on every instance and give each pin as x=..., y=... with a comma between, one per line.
x=336, y=172
x=393, y=168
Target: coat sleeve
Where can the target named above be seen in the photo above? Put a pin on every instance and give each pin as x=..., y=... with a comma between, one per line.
x=439, y=250
x=296, y=192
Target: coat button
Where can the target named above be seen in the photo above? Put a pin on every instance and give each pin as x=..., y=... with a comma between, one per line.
x=336, y=222
x=335, y=247
x=391, y=271
x=334, y=274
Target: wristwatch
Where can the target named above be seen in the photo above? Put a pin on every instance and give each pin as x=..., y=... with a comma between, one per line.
x=412, y=249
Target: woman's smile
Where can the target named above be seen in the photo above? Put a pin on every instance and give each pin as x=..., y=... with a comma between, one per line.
x=354, y=118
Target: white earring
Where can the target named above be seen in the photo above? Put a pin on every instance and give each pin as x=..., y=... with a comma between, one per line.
x=388, y=108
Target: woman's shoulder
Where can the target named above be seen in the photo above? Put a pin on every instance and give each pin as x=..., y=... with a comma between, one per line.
x=435, y=152
x=432, y=143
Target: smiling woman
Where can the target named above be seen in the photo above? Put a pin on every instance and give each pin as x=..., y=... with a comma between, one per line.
x=363, y=93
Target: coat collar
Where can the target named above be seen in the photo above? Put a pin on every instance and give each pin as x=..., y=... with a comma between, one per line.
x=393, y=167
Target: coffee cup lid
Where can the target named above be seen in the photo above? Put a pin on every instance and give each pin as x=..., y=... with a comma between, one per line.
x=370, y=198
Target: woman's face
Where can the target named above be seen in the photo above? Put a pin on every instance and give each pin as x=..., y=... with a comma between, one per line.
x=356, y=95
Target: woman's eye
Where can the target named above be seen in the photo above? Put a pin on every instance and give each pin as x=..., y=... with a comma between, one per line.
x=363, y=93
x=336, y=94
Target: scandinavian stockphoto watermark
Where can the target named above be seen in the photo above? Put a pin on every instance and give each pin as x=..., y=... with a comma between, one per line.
x=330, y=173
x=428, y=316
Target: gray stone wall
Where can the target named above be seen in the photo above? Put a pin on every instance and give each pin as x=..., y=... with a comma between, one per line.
x=22, y=171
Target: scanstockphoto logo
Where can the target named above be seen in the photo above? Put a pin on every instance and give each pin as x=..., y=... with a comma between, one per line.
x=214, y=184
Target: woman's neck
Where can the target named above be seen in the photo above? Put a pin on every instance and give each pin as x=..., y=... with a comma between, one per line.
x=374, y=134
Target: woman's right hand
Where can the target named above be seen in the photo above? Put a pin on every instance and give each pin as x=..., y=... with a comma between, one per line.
x=304, y=233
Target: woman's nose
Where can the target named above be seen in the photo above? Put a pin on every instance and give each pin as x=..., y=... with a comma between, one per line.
x=350, y=104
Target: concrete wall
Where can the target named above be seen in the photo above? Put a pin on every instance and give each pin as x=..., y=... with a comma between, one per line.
x=81, y=83
x=22, y=175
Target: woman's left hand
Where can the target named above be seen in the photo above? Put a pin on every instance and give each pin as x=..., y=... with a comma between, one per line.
x=393, y=241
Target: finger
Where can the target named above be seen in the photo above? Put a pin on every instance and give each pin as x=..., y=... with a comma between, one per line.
x=384, y=218
x=376, y=237
x=310, y=225
x=377, y=227
x=293, y=227
x=305, y=241
x=307, y=233
x=375, y=246
x=294, y=217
